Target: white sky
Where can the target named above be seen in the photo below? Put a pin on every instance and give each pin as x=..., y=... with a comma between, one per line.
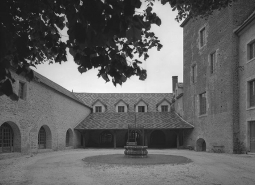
x=160, y=66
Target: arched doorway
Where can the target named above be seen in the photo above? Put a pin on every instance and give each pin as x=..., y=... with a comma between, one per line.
x=44, y=137
x=158, y=139
x=106, y=139
x=69, y=138
x=201, y=145
x=10, y=138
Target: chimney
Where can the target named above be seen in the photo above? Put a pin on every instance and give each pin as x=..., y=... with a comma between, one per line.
x=174, y=82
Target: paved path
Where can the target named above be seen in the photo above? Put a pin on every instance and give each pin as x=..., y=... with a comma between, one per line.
x=67, y=167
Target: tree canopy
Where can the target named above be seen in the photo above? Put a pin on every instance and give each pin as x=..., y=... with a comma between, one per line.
x=103, y=34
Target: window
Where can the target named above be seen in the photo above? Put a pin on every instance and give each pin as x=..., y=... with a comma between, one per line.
x=98, y=109
x=194, y=73
x=121, y=109
x=251, y=50
x=164, y=108
x=22, y=90
x=141, y=109
x=202, y=103
x=202, y=37
x=252, y=93
x=212, y=62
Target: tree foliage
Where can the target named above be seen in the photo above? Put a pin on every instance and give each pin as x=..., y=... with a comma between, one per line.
x=103, y=34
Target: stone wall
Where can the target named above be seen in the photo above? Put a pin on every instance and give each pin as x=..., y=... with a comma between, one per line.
x=246, y=73
x=42, y=106
x=221, y=122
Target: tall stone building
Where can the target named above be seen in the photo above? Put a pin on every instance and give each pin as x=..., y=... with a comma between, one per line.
x=214, y=84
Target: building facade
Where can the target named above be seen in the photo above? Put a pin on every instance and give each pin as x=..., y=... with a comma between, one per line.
x=43, y=118
x=211, y=98
x=246, y=58
x=113, y=113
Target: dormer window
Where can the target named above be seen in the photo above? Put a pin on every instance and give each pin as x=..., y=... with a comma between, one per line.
x=164, y=108
x=121, y=109
x=98, y=109
x=163, y=105
x=99, y=106
x=141, y=108
x=121, y=106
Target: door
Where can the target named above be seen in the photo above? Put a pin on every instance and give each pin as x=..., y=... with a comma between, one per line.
x=252, y=136
x=6, y=138
x=42, y=138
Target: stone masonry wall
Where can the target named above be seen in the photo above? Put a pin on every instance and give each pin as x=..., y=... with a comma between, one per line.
x=246, y=73
x=42, y=106
x=219, y=124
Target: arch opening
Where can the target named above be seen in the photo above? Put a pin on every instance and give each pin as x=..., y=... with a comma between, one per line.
x=106, y=139
x=10, y=138
x=158, y=139
x=69, y=138
x=201, y=145
x=44, y=138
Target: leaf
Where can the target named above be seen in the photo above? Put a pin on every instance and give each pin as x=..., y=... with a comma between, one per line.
x=82, y=69
x=133, y=34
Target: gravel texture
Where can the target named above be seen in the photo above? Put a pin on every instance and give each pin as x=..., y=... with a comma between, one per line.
x=68, y=167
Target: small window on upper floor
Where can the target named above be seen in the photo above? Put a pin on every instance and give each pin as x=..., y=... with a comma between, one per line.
x=251, y=50
x=121, y=109
x=202, y=37
x=98, y=108
x=212, y=62
x=202, y=103
x=164, y=108
x=22, y=90
x=194, y=73
x=251, y=95
x=141, y=109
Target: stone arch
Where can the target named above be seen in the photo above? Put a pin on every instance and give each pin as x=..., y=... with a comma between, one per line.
x=158, y=139
x=106, y=139
x=10, y=137
x=44, y=137
x=201, y=145
x=69, y=138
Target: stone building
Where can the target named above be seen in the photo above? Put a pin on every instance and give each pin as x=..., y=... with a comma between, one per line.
x=177, y=100
x=246, y=58
x=43, y=118
x=47, y=116
x=214, y=85
x=107, y=126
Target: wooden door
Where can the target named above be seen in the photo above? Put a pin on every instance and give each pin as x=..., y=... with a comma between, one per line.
x=252, y=136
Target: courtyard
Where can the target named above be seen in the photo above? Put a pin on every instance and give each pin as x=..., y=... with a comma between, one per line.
x=75, y=167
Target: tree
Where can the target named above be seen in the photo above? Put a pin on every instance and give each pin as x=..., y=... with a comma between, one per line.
x=103, y=34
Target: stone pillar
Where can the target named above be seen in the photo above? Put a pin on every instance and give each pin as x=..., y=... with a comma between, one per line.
x=114, y=139
x=177, y=140
x=83, y=138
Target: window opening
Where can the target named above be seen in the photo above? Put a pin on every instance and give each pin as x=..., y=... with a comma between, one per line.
x=202, y=100
x=98, y=109
x=120, y=108
x=141, y=109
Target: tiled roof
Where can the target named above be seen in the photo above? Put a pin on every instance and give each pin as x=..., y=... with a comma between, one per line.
x=162, y=102
x=131, y=99
x=42, y=79
x=149, y=120
x=245, y=23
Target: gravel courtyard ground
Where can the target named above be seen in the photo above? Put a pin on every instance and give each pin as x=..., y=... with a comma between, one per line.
x=67, y=167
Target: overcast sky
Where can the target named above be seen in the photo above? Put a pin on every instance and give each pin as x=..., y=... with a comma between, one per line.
x=160, y=66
